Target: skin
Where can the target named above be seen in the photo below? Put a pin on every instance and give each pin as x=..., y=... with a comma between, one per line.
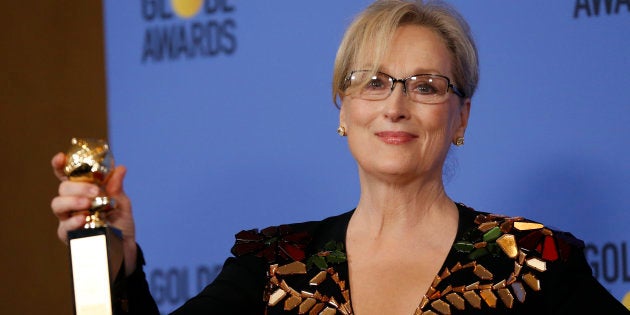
x=404, y=220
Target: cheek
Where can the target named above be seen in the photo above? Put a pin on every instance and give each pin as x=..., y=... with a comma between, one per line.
x=438, y=125
x=436, y=119
x=449, y=118
x=355, y=112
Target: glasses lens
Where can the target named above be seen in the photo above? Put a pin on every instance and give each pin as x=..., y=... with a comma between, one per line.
x=427, y=89
x=370, y=86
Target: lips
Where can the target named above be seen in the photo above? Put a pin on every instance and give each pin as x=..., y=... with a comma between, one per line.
x=395, y=137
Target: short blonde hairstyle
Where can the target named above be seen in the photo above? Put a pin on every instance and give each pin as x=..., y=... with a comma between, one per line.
x=368, y=37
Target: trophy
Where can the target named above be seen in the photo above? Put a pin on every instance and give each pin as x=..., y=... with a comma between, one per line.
x=96, y=249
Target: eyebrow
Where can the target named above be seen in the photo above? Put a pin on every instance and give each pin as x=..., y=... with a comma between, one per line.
x=415, y=72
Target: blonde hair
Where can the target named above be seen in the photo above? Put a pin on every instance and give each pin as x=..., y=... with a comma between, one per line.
x=368, y=37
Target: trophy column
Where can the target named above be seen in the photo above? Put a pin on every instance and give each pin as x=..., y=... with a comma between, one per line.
x=96, y=249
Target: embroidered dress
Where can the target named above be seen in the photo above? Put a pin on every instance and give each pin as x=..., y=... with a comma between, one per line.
x=496, y=265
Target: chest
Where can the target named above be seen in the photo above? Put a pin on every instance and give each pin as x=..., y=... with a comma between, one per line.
x=392, y=279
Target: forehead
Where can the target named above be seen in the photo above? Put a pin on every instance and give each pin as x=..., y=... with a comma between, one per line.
x=415, y=49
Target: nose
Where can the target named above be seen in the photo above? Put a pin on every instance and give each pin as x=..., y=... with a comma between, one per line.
x=396, y=105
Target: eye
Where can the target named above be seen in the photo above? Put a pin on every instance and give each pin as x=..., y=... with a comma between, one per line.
x=426, y=89
x=426, y=85
x=375, y=83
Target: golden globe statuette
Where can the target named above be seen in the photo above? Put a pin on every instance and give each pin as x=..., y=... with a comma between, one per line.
x=96, y=249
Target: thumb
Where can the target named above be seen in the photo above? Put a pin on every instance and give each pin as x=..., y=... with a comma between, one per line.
x=114, y=186
x=114, y=189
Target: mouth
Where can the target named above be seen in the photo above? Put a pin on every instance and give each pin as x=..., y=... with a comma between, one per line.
x=396, y=137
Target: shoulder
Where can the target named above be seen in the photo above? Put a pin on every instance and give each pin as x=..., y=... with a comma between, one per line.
x=517, y=256
x=485, y=232
x=290, y=242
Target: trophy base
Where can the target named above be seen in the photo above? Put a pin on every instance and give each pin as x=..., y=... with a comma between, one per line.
x=95, y=259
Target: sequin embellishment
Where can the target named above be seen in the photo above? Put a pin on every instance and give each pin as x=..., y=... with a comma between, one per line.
x=529, y=244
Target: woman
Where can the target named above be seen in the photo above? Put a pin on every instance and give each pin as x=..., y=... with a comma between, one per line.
x=406, y=248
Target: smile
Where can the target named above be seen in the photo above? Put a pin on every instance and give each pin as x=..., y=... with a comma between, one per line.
x=395, y=137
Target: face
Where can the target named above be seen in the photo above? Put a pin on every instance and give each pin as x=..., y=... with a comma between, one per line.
x=396, y=138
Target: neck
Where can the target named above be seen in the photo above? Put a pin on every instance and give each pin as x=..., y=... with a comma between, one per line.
x=400, y=207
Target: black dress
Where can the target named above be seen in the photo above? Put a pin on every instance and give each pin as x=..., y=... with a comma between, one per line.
x=497, y=265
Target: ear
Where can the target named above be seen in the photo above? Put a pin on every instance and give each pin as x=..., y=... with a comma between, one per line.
x=463, y=118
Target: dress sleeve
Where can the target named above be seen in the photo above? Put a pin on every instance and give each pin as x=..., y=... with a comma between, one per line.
x=131, y=294
x=574, y=289
x=238, y=289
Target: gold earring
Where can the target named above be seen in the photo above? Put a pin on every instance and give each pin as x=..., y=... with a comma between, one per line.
x=341, y=131
x=459, y=141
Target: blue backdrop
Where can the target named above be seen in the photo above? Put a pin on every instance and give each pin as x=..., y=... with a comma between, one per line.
x=222, y=111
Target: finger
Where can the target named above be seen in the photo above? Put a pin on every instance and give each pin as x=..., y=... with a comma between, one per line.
x=73, y=223
x=64, y=207
x=115, y=189
x=84, y=189
x=114, y=185
x=58, y=163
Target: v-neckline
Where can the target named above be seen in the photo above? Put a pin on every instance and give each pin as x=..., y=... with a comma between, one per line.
x=463, y=224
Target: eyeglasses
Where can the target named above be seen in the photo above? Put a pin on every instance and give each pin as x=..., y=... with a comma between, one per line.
x=422, y=88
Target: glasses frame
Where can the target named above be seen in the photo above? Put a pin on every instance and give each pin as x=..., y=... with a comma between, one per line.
x=449, y=87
